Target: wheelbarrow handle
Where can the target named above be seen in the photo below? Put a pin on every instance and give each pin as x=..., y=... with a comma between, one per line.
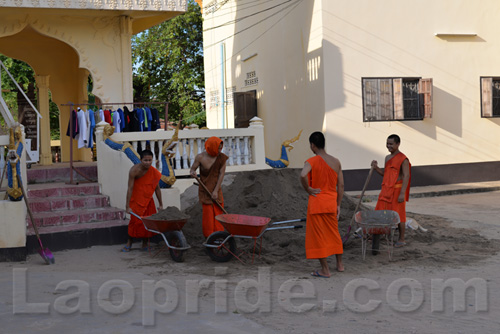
x=283, y=227
x=136, y=215
x=289, y=221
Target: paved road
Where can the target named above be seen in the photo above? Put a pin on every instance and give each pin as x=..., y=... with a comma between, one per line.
x=480, y=211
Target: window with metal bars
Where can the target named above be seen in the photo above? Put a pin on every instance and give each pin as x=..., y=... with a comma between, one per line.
x=396, y=99
x=490, y=96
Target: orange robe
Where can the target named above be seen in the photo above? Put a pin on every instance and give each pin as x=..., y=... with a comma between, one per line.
x=322, y=233
x=391, y=187
x=142, y=202
x=209, y=178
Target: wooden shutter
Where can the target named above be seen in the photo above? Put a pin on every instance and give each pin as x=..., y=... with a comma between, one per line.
x=245, y=108
x=425, y=92
x=397, y=86
x=370, y=99
x=386, y=99
x=486, y=97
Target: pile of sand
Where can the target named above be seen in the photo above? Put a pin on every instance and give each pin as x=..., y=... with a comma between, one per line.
x=170, y=213
x=278, y=194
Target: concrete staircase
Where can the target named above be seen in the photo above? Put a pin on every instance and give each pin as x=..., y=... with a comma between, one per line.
x=70, y=216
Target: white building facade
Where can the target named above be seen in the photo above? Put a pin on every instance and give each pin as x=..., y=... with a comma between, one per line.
x=360, y=71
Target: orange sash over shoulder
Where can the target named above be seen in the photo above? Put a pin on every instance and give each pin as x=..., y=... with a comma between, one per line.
x=392, y=169
x=322, y=233
x=142, y=202
x=209, y=178
x=324, y=177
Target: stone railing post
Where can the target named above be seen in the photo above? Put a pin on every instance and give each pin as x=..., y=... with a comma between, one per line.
x=99, y=141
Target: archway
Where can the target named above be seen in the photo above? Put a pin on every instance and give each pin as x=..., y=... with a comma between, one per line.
x=56, y=65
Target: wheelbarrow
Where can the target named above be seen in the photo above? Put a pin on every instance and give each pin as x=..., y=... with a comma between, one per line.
x=377, y=223
x=174, y=239
x=221, y=245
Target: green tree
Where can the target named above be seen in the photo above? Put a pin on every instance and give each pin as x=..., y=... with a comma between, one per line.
x=168, y=65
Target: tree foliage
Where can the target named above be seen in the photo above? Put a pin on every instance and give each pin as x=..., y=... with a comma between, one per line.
x=168, y=65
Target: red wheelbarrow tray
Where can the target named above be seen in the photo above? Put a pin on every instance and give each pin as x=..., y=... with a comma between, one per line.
x=243, y=225
x=161, y=225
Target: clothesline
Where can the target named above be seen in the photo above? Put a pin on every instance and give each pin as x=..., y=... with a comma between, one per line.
x=136, y=121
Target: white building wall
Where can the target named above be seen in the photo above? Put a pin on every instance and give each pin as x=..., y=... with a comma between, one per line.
x=310, y=62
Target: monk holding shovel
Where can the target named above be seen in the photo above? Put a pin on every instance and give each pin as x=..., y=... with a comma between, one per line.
x=212, y=165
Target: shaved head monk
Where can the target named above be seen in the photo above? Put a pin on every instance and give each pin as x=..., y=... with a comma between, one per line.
x=212, y=165
x=143, y=182
x=395, y=185
x=322, y=178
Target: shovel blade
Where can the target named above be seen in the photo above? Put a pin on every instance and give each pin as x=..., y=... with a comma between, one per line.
x=47, y=256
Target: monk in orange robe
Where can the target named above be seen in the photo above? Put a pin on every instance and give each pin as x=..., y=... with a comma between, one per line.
x=212, y=165
x=143, y=182
x=322, y=178
x=395, y=185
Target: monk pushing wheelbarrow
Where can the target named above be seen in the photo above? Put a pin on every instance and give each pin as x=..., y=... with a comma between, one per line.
x=221, y=245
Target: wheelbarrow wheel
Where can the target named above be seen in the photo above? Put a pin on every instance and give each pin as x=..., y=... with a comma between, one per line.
x=176, y=239
x=223, y=253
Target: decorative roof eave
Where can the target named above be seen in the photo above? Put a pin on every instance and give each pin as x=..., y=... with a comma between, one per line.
x=129, y=5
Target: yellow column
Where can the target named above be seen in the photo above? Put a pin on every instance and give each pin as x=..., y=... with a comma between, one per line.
x=42, y=82
x=126, y=56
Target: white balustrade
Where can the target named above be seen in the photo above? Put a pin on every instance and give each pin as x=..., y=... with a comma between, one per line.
x=200, y=147
x=238, y=151
x=177, y=157
x=143, y=145
x=191, y=151
x=155, y=161
x=245, y=150
x=230, y=151
x=240, y=148
x=185, y=164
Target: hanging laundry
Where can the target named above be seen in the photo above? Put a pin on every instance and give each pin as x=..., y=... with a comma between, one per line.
x=107, y=116
x=73, y=122
x=148, y=118
x=82, y=135
x=122, y=118
x=117, y=122
x=101, y=115
x=92, y=127
x=155, y=123
x=87, y=120
x=134, y=124
x=140, y=115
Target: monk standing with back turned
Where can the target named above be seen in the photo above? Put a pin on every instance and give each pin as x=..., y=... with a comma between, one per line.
x=212, y=165
x=395, y=185
x=322, y=178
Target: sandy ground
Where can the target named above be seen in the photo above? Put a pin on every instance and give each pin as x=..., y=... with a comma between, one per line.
x=422, y=290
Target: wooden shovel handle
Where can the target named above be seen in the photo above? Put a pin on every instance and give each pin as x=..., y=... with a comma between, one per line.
x=362, y=193
x=210, y=194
